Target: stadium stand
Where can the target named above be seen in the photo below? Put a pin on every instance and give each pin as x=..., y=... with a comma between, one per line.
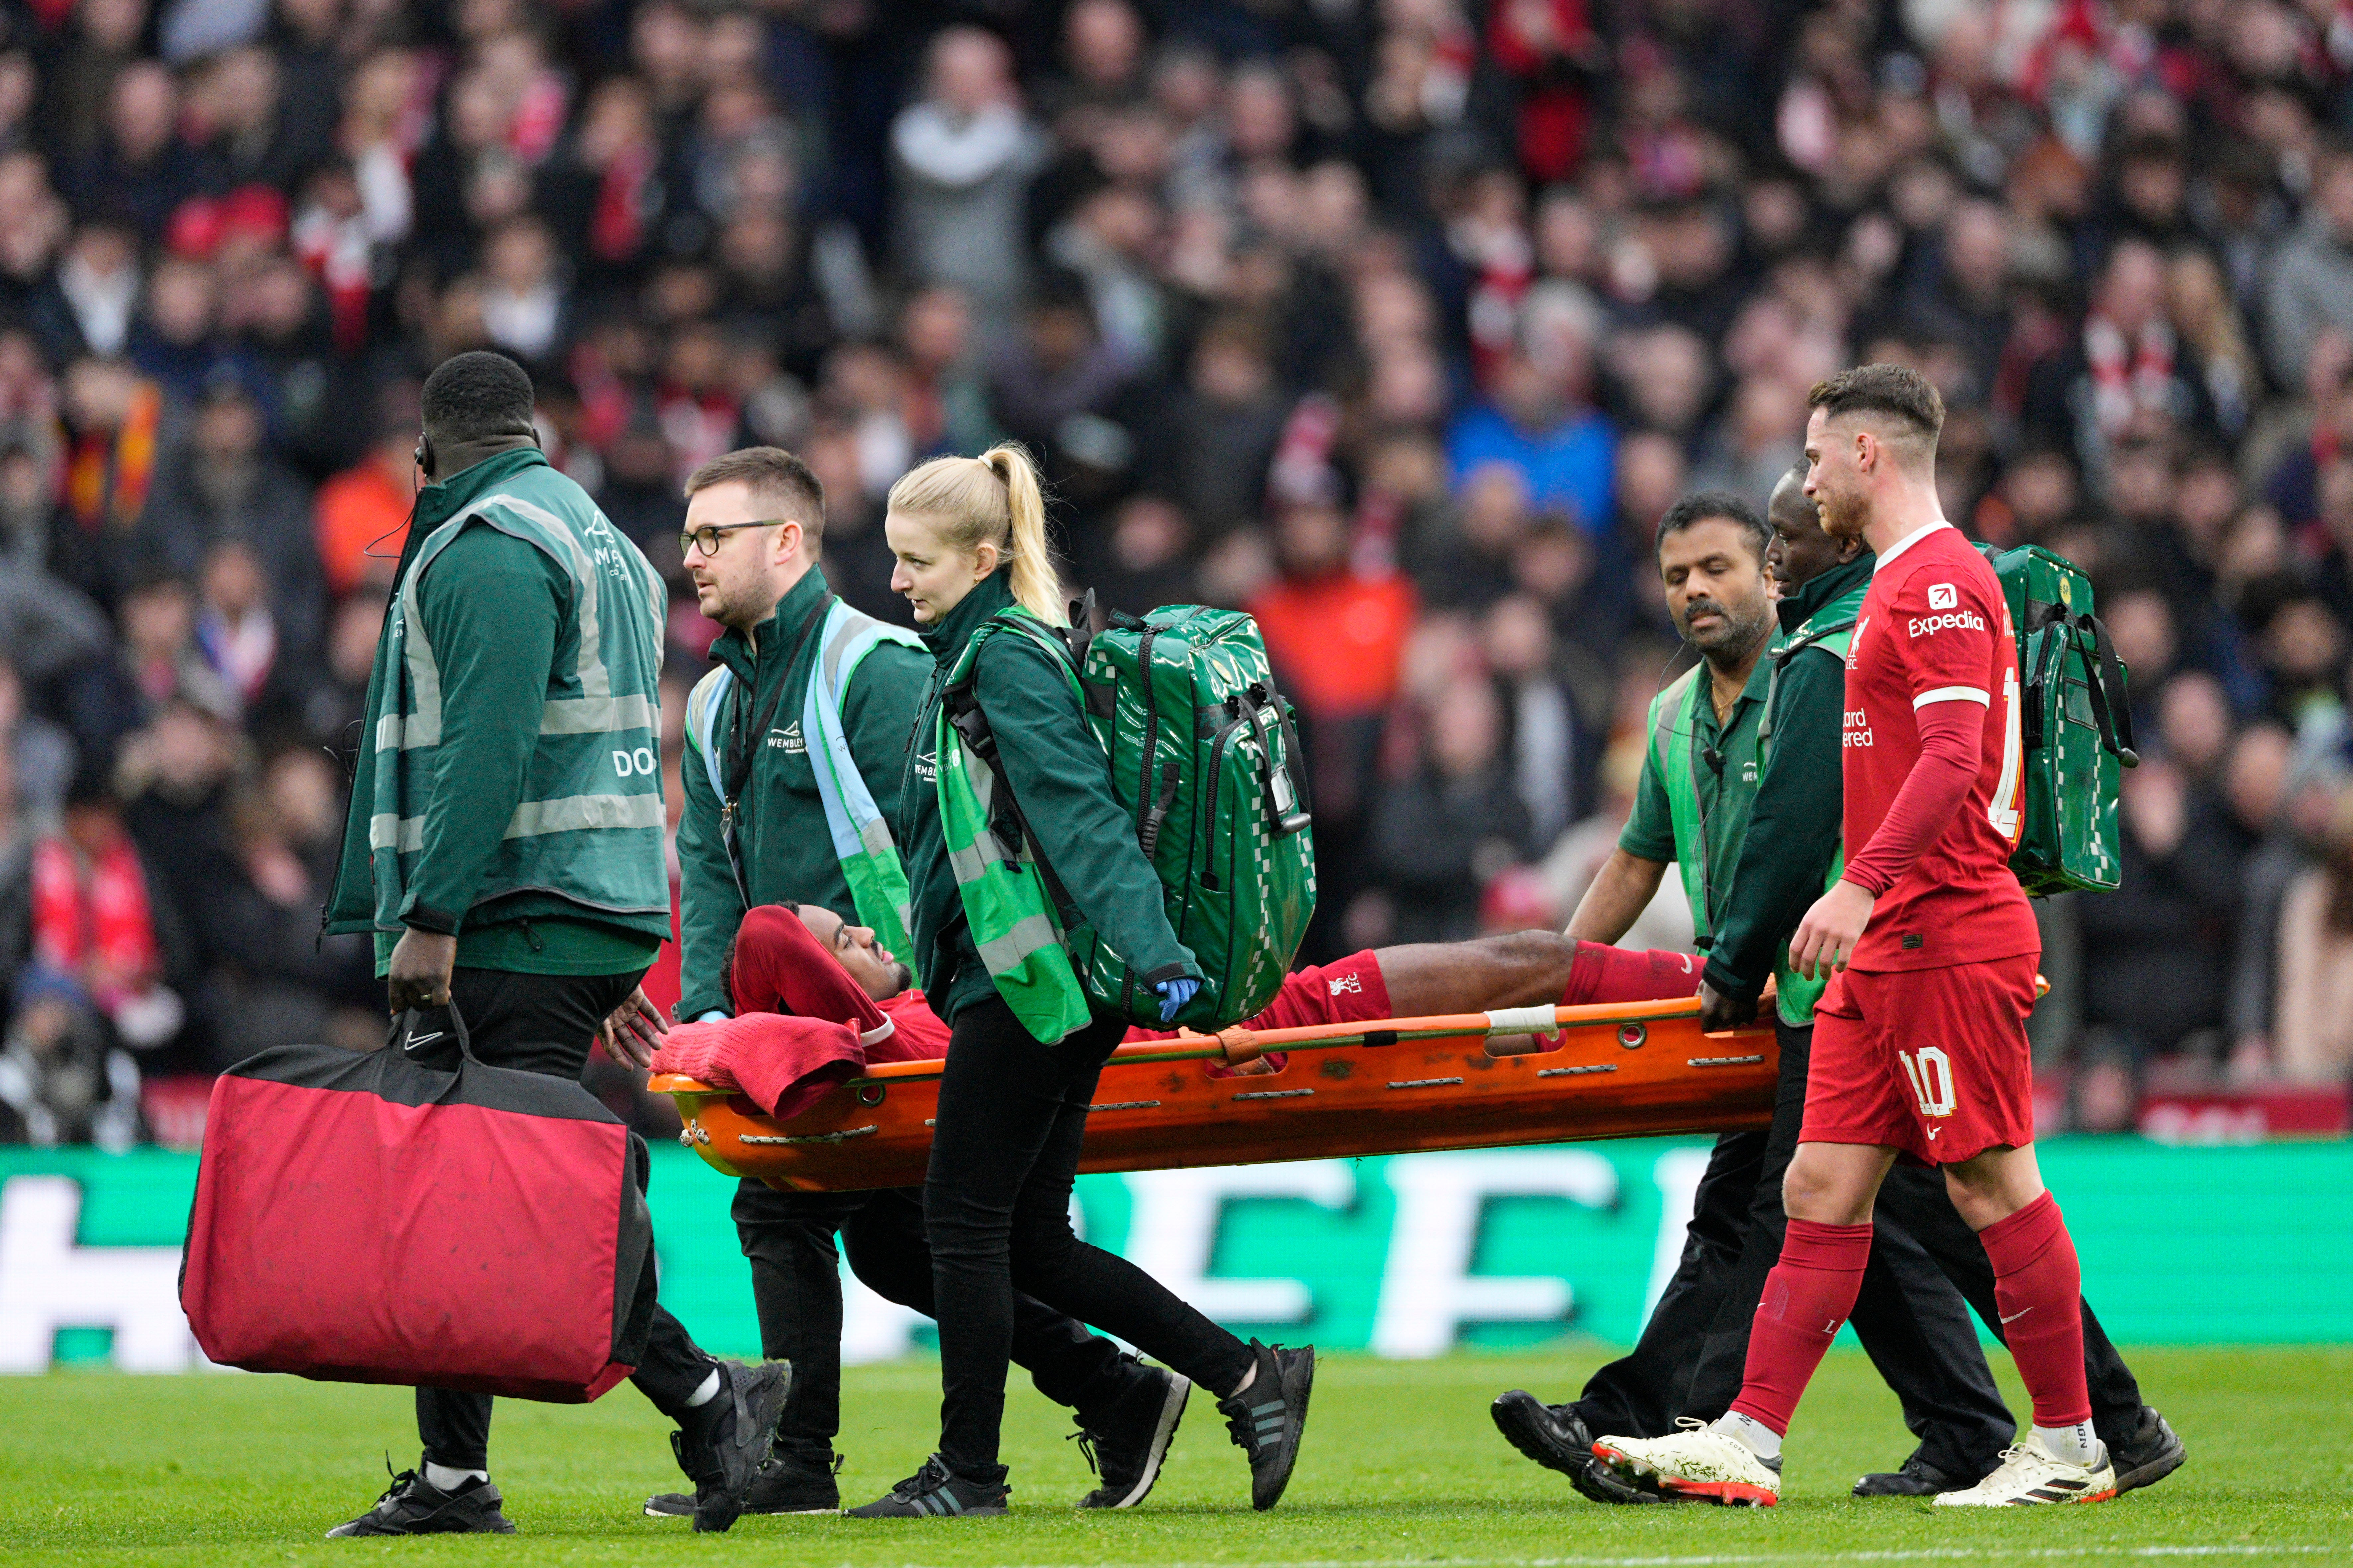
x=1397, y=323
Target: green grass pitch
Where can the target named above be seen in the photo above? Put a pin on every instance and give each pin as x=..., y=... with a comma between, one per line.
x=1400, y=1467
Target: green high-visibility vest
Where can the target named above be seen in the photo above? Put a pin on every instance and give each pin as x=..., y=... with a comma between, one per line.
x=589, y=825
x=1014, y=928
x=1672, y=757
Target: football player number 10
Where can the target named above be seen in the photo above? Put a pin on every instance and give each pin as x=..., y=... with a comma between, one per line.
x=1931, y=1073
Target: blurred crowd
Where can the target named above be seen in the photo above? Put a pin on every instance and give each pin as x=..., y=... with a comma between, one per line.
x=1397, y=323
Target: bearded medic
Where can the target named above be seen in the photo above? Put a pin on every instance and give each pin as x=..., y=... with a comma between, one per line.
x=1920, y=1049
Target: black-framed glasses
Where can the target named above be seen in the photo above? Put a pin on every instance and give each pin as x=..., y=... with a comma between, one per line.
x=706, y=538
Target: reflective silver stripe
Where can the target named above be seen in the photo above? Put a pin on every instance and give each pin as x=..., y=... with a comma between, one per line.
x=969, y=862
x=596, y=715
x=598, y=711
x=533, y=818
x=713, y=687
x=852, y=622
x=984, y=851
x=1029, y=935
x=422, y=728
x=560, y=716
x=593, y=680
x=575, y=812
x=402, y=835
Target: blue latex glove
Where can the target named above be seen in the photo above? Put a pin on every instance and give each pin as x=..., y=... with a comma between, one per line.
x=1174, y=995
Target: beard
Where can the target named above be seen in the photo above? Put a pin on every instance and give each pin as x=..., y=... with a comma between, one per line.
x=901, y=979
x=1844, y=512
x=1734, y=632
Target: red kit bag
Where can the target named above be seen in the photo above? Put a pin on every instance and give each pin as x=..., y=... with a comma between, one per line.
x=411, y=1216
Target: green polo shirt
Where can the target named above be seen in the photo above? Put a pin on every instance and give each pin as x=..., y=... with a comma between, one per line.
x=1692, y=810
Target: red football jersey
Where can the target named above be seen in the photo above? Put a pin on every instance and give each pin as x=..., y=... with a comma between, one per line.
x=1935, y=628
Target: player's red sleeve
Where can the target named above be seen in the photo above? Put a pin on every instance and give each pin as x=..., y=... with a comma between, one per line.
x=1951, y=751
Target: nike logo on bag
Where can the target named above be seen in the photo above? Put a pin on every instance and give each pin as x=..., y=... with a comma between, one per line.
x=416, y=1040
x=2015, y=1316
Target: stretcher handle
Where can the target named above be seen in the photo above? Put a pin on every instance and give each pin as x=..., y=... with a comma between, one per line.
x=1237, y=1045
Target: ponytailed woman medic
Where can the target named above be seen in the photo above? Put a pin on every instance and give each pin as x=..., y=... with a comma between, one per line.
x=987, y=918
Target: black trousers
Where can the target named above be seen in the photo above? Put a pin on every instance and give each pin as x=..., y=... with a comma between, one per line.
x=789, y=1240
x=545, y=1023
x=1911, y=1321
x=1914, y=1227
x=996, y=1204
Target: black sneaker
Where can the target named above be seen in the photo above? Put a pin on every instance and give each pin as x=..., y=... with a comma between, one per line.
x=1266, y=1419
x=415, y=1506
x=1124, y=1444
x=2152, y=1453
x=1557, y=1438
x=936, y=1493
x=784, y=1483
x=1917, y=1479
x=721, y=1444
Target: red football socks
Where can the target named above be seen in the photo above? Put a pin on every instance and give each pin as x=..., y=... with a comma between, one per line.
x=2039, y=1288
x=1807, y=1297
x=1605, y=973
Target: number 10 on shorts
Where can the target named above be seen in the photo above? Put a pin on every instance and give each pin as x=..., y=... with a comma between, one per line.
x=1932, y=1079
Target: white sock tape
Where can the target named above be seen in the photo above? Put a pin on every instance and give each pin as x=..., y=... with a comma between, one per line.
x=1540, y=1020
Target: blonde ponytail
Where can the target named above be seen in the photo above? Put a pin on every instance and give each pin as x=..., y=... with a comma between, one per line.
x=994, y=499
x=1036, y=585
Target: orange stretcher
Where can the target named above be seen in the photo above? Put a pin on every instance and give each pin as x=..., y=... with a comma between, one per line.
x=1470, y=1080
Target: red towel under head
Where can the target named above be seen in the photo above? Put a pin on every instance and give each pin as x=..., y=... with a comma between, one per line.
x=785, y=1064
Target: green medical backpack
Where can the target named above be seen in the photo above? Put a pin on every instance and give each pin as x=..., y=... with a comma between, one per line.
x=1204, y=757
x=2074, y=725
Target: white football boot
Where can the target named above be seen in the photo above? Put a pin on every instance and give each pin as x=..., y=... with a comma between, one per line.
x=2030, y=1473
x=1698, y=1462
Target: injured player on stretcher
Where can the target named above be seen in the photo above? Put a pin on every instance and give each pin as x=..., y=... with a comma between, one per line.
x=819, y=1000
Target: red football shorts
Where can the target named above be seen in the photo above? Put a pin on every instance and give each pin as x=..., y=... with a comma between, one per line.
x=1932, y=1062
x=1350, y=991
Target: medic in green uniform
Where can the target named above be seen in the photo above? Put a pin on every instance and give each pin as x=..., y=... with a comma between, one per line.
x=795, y=746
